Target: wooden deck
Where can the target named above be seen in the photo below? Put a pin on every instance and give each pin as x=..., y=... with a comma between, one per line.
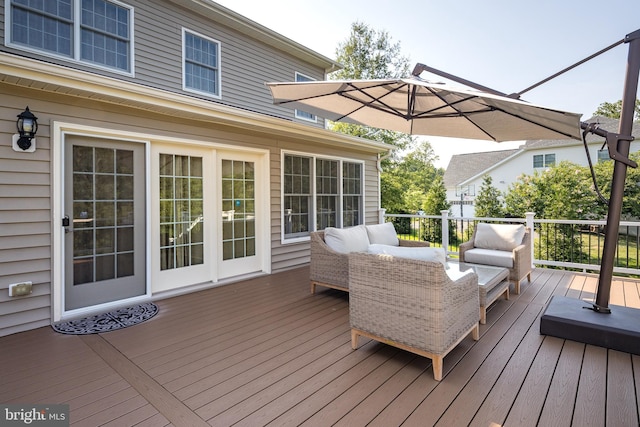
x=267, y=352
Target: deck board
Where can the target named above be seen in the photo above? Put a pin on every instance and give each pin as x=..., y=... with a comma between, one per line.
x=558, y=405
x=591, y=398
x=264, y=351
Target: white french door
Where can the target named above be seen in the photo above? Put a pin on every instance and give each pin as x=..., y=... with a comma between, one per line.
x=242, y=231
x=208, y=217
x=182, y=216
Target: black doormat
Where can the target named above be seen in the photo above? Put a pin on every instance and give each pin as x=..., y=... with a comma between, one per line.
x=111, y=321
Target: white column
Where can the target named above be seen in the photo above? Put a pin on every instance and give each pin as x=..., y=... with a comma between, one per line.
x=445, y=231
x=381, y=213
x=529, y=224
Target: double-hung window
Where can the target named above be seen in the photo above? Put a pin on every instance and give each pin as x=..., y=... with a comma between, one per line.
x=96, y=32
x=320, y=192
x=303, y=114
x=544, y=160
x=603, y=155
x=201, y=64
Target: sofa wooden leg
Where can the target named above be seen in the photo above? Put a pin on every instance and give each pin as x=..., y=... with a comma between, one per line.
x=354, y=339
x=313, y=287
x=517, y=287
x=437, y=367
x=475, y=333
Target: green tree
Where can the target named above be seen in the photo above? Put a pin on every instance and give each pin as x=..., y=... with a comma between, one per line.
x=608, y=109
x=559, y=192
x=562, y=191
x=370, y=54
x=631, y=200
x=488, y=203
x=405, y=178
x=435, y=202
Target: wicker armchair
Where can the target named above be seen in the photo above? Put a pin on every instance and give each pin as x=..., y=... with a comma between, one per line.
x=412, y=305
x=518, y=261
x=330, y=268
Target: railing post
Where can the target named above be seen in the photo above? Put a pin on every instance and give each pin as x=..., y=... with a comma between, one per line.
x=529, y=224
x=381, y=213
x=445, y=231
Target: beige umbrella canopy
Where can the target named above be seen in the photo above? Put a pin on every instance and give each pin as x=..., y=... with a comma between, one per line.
x=417, y=107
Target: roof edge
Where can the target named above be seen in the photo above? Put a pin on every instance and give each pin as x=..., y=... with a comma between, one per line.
x=32, y=73
x=258, y=31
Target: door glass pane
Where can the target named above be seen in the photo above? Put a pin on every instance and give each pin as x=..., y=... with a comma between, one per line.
x=181, y=211
x=238, y=214
x=102, y=210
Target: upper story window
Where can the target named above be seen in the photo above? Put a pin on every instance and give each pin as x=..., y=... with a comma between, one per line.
x=303, y=114
x=201, y=64
x=97, y=32
x=544, y=160
x=320, y=192
x=603, y=155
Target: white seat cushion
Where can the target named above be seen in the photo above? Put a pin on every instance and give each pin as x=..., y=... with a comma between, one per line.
x=422, y=253
x=383, y=234
x=345, y=240
x=489, y=257
x=502, y=237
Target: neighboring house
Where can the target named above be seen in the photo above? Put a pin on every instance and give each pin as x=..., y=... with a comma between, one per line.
x=160, y=164
x=465, y=172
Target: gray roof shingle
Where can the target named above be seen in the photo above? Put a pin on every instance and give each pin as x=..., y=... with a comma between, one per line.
x=464, y=166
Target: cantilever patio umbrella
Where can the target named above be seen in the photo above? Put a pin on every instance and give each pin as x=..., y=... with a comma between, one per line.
x=417, y=107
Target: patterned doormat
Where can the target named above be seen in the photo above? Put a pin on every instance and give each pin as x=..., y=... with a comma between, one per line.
x=111, y=321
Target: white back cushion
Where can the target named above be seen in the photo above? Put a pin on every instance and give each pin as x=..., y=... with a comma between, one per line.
x=345, y=240
x=422, y=253
x=502, y=237
x=383, y=234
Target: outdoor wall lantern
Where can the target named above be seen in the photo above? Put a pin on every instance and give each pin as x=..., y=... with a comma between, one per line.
x=27, y=125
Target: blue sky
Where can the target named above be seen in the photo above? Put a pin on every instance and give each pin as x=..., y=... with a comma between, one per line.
x=507, y=45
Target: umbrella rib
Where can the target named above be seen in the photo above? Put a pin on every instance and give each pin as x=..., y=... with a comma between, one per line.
x=374, y=102
x=460, y=113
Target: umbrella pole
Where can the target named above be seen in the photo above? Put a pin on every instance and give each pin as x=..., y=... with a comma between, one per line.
x=565, y=317
x=619, y=175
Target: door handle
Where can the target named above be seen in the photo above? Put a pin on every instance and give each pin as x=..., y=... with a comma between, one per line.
x=66, y=223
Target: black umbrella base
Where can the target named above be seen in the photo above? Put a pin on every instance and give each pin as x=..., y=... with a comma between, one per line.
x=569, y=319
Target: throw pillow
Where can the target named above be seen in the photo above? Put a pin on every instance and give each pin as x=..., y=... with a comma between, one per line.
x=502, y=237
x=345, y=240
x=383, y=234
x=419, y=253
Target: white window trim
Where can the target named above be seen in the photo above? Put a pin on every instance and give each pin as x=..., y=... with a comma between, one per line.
x=184, y=58
x=76, y=36
x=296, y=111
x=544, y=161
x=312, y=226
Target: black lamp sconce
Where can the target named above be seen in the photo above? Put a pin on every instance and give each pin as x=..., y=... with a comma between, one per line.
x=27, y=125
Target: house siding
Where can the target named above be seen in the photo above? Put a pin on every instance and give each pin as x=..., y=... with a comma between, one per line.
x=26, y=187
x=246, y=63
x=151, y=102
x=25, y=223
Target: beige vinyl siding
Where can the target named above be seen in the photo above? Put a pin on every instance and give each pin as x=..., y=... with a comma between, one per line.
x=246, y=63
x=25, y=223
x=26, y=196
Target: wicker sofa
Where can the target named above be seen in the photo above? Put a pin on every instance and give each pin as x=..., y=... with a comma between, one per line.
x=412, y=305
x=330, y=268
x=502, y=245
